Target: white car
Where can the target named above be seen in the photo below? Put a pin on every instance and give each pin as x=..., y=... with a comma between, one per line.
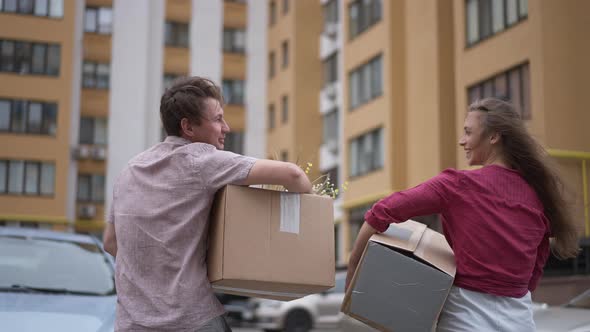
x=313, y=311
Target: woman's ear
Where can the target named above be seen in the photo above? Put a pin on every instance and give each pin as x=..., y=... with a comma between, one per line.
x=495, y=138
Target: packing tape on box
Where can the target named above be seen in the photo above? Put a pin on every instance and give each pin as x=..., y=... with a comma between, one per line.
x=290, y=212
x=259, y=292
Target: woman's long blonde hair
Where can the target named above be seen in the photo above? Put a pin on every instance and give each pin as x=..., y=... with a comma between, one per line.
x=522, y=153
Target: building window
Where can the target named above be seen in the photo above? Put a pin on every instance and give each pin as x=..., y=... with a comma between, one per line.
x=23, y=177
x=98, y=20
x=485, y=18
x=28, y=117
x=366, y=153
x=330, y=127
x=176, y=34
x=27, y=58
x=271, y=117
x=512, y=85
x=91, y=188
x=331, y=69
x=365, y=83
x=234, y=40
x=271, y=64
x=284, y=109
x=93, y=131
x=95, y=75
x=284, y=155
x=42, y=8
x=233, y=91
x=285, y=7
x=272, y=13
x=330, y=11
x=234, y=142
x=362, y=14
x=285, y=52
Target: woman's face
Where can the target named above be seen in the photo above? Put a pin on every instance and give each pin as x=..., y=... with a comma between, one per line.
x=477, y=144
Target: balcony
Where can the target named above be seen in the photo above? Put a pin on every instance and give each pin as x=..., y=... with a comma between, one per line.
x=330, y=39
x=330, y=97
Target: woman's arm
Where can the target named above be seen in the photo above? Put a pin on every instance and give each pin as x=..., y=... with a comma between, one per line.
x=359, y=246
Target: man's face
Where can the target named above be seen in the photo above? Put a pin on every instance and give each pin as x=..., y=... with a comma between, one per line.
x=213, y=127
x=475, y=142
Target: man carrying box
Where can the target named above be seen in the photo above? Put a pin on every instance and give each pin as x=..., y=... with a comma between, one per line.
x=159, y=217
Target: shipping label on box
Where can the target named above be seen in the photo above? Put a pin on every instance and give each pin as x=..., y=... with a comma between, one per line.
x=402, y=280
x=271, y=244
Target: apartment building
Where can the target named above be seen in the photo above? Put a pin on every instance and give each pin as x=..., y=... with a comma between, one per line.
x=400, y=75
x=294, y=79
x=39, y=96
x=79, y=95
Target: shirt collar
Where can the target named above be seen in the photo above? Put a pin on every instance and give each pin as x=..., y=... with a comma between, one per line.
x=177, y=140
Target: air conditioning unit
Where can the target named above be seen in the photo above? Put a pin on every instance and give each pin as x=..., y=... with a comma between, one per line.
x=87, y=211
x=99, y=153
x=332, y=146
x=81, y=152
x=331, y=91
x=331, y=29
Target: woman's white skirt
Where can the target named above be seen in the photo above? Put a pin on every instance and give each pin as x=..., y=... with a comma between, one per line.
x=468, y=311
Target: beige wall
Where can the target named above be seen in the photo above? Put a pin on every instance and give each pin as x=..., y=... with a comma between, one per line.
x=41, y=88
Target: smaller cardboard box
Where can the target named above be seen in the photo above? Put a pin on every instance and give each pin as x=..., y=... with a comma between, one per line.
x=271, y=244
x=402, y=280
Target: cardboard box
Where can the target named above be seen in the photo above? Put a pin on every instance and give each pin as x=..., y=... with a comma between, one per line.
x=402, y=280
x=271, y=244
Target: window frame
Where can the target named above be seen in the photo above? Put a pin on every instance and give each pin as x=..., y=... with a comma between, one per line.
x=11, y=129
x=33, y=11
x=521, y=16
x=23, y=181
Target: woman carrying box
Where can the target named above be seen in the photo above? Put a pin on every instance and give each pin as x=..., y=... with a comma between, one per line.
x=498, y=219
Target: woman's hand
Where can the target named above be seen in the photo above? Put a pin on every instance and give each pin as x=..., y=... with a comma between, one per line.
x=359, y=246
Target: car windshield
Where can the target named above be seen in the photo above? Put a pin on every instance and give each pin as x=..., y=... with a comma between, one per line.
x=581, y=301
x=54, y=266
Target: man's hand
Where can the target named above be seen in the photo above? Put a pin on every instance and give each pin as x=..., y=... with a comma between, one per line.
x=359, y=246
x=110, y=239
x=281, y=173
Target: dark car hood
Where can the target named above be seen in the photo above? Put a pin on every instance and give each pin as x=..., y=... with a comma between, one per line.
x=56, y=312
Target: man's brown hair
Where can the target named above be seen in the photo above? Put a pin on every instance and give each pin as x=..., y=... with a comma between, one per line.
x=186, y=99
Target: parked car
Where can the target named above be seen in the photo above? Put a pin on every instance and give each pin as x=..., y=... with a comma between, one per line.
x=571, y=317
x=52, y=281
x=236, y=307
x=313, y=311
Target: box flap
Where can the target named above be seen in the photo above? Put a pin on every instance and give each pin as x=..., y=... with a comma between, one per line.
x=404, y=235
x=434, y=249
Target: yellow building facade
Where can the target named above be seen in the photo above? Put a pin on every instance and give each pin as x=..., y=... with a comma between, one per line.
x=408, y=70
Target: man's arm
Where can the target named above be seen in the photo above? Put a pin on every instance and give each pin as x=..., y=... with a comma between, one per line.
x=281, y=173
x=110, y=239
x=359, y=246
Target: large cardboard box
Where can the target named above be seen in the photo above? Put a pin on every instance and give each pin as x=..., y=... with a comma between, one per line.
x=271, y=244
x=402, y=280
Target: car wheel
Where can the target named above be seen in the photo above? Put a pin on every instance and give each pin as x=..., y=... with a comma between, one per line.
x=298, y=321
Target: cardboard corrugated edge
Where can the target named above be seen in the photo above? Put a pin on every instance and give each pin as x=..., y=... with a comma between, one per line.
x=345, y=308
x=434, y=249
x=411, y=245
x=216, y=230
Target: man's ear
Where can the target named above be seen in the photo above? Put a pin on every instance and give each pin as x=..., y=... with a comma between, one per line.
x=186, y=128
x=495, y=138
